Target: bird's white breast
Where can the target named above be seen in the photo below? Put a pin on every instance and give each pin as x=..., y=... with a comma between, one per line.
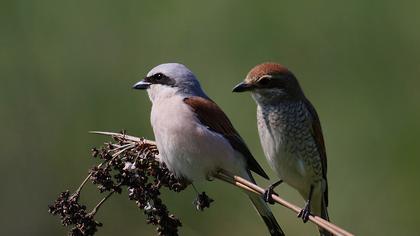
x=187, y=147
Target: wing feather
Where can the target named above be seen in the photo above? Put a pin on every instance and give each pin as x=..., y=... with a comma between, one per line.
x=319, y=139
x=211, y=116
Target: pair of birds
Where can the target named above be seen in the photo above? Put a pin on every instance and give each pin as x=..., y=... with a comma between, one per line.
x=196, y=139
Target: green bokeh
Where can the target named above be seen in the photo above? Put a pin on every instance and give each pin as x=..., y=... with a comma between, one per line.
x=67, y=67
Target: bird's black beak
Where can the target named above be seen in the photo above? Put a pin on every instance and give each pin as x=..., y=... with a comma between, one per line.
x=242, y=87
x=142, y=85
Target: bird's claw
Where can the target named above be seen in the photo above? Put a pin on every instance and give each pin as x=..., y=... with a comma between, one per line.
x=267, y=195
x=305, y=213
x=203, y=201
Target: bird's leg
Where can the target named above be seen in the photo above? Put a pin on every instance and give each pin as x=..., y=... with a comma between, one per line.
x=270, y=190
x=306, y=211
x=195, y=189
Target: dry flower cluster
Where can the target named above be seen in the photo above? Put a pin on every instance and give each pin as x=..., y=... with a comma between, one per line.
x=126, y=164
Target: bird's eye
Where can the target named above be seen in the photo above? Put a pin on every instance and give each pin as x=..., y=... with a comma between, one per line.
x=264, y=81
x=158, y=76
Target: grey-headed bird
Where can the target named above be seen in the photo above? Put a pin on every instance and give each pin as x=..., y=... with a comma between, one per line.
x=194, y=136
x=290, y=134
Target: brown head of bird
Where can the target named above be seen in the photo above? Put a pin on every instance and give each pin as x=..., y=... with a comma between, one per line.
x=271, y=82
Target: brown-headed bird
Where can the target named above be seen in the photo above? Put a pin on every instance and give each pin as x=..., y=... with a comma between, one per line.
x=290, y=134
x=194, y=136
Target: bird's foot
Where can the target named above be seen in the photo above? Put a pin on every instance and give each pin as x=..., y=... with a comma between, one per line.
x=305, y=212
x=267, y=195
x=269, y=191
x=202, y=201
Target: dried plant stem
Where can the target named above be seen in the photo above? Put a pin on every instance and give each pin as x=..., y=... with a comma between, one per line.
x=120, y=148
x=79, y=189
x=128, y=137
x=245, y=184
x=77, y=193
x=96, y=208
x=248, y=186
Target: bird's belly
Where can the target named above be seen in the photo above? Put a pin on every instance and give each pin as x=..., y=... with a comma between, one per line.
x=197, y=153
x=292, y=169
x=286, y=161
x=191, y=150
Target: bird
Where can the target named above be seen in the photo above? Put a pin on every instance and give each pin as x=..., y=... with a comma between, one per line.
x=291, y=136
x=194, y=136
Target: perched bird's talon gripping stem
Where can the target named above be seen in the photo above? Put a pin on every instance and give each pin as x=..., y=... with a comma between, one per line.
x=269, y=191
x=267, y=195
x=306, y=211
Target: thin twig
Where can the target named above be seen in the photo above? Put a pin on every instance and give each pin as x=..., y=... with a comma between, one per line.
x=248, y=186
x=79, y=189
x=245, y=184
x=124, y=147
x=95, y=210
x=125, y=136
x=81, y=185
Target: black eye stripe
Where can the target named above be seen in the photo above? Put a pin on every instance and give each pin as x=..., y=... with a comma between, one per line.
x=159, y=76
x=272, y=81
x=264, y=80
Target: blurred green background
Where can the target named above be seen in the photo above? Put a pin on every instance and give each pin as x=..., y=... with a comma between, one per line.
x=67, y=67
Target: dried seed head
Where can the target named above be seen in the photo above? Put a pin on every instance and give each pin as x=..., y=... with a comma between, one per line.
x=133, y=165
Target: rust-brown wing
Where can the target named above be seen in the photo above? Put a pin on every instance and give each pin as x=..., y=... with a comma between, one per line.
x=319, y=139
x=211, y=116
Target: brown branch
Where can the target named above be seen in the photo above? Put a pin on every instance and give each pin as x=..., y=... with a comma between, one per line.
x=248, y=186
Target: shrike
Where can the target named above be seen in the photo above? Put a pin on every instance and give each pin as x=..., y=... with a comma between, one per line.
x=290, y=134
x=194, y=136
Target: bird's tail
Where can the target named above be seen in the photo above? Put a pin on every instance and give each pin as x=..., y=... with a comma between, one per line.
x=324, y=215
x=264, y=211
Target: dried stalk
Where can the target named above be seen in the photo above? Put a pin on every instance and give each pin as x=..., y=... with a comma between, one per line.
x=96, y=208
x=248, y=186
x=245, y=184
x=132, y=165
